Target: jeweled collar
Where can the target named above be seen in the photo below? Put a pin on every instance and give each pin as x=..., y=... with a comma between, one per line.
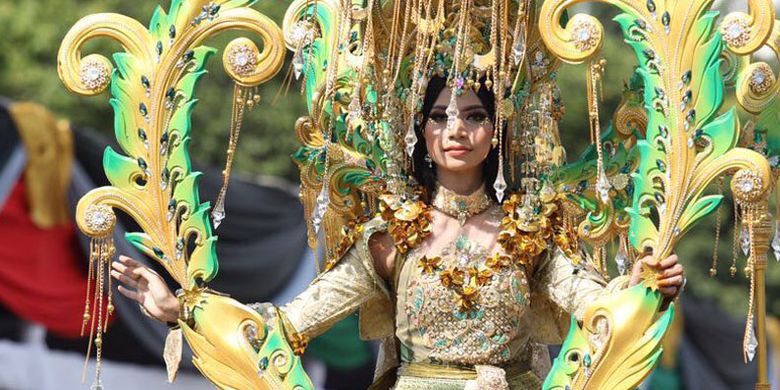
x=461, y=207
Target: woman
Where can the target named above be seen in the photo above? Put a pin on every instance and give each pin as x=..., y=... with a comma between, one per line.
x=462, y=311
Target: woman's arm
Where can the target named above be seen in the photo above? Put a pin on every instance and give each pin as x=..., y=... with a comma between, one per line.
x=329, y=298
x=573, y=289
x=335, y=294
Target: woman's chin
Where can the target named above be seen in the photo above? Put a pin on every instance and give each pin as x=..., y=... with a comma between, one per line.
x=458, y=164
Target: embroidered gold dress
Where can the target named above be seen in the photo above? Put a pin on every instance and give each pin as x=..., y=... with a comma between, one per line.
x=461, y=318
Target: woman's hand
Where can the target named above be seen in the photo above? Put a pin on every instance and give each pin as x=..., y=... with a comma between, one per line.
x=146, y=287
x=671, y=275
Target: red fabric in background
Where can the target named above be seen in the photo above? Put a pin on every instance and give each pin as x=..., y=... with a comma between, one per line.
x=42, y=273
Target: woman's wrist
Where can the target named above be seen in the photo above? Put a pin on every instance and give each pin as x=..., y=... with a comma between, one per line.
x=171, y=310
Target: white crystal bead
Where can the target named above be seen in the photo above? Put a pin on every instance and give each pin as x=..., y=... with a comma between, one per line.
x=319, y=211
x=410, y=138
x=603, y=187
x=218, y=213
x=752, y=345
x=297, y=63
x=744, y=240
x=518, y=49
x=622, y=262
x=500, y=184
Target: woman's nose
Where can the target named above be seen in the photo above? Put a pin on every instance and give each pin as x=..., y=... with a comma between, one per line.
x=458, y=128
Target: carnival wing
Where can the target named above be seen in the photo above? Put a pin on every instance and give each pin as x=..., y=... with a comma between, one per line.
x=152, y=93
x=687, y=144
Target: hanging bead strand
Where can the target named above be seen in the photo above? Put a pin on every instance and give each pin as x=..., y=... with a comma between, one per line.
x=716, y=246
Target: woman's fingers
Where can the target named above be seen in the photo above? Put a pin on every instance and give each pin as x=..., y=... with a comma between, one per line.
x=128, y=293
x=133, y=269
x=128, y=261
x=122, y=268
x=675, y=270
x=668, y=262
x=130, y=282
x=674, y=281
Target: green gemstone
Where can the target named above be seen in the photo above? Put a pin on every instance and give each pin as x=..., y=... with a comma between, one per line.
x=188, y=55
x=686, y=78
x=687, y=97
x=661, y=165
x=691, y=116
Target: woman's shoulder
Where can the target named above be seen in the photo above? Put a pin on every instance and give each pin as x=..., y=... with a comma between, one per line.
x=399, y=225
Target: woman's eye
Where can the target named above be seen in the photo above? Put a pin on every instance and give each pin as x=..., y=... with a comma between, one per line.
x=477, y=117
x=437, y=117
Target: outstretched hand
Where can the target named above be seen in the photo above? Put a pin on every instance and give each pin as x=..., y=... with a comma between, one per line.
x=143, y=285
x=671, y=275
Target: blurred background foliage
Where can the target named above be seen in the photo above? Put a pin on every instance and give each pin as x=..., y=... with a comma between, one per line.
x=31, y=32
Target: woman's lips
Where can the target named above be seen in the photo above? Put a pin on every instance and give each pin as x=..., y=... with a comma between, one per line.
x=457, y=151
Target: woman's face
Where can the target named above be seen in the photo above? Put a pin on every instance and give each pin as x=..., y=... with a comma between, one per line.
x=466, y=146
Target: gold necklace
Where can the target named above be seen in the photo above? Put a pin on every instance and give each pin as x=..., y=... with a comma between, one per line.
x=461, y=207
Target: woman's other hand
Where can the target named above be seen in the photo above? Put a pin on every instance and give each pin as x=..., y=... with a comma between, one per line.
x=671, y=275
x=143, y=285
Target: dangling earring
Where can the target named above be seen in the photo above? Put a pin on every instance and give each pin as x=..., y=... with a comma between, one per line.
x=428, y=160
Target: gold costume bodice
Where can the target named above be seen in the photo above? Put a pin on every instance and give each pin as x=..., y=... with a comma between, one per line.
x=462, y=306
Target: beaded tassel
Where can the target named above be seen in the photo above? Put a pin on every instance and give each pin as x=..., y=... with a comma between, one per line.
x=242, y=98
x=98, y=286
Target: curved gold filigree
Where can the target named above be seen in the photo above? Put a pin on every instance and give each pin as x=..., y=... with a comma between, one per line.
x=237, y=348
x=127, y=31
x=757, y=86
x=578, y=41
x=744, y=33
x=156, y=67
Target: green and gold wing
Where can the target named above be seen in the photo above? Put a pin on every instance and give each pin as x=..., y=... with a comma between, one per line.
x=689, y=141
x=152, y=86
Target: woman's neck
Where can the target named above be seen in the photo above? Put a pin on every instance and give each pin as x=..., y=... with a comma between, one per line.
x=462, y=183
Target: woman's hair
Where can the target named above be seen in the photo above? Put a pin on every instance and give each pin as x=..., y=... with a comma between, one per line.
x=426, y=176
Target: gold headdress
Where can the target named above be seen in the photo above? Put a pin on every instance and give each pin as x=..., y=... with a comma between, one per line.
x=365, y=69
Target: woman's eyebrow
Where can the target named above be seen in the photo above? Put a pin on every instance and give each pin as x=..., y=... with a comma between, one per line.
x=473, y=107
x=467, y=108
